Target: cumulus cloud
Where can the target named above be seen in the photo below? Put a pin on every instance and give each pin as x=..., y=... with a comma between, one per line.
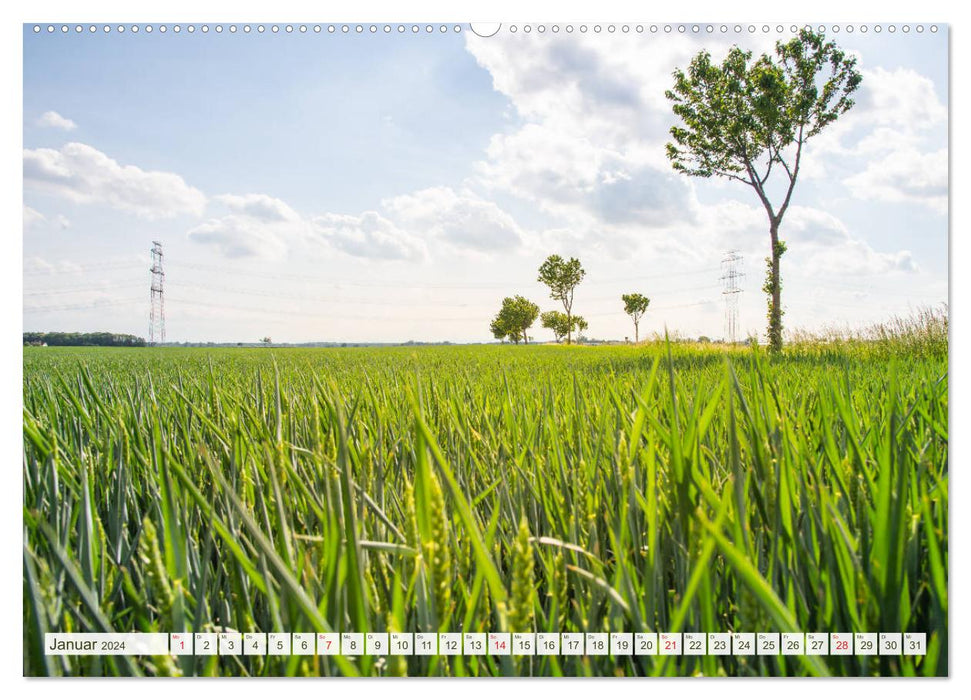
x=85, y=175
x=896, y=110
x=258, y=225
x=54, y=120
x=592, y=125
x=854, y=258
x=905, y=175
x=240, y=237
x=819, y=242
x=461, y=219
x=403, y=229
x=368, y=235
x=259, y=206
x=901, y=98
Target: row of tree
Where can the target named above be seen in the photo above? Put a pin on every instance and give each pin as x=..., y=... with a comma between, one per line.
x=84, y=339
x=518, y=313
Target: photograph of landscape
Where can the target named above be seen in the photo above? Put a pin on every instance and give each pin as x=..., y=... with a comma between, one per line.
x=631, y=329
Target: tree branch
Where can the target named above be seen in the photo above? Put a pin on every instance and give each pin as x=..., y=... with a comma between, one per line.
x=757, y=186
x=794, y=174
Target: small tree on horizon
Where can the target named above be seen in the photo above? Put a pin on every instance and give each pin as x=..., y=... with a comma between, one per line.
x=514, y=319
x=580, y=323
x=557, y=322
x=562, y=277
x=561, y=324
x=743, y=118
x=635, y=305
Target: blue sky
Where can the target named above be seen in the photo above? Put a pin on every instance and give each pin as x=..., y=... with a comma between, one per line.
x=392, y=187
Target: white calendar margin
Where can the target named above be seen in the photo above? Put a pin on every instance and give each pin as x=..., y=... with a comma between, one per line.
x=389, y=10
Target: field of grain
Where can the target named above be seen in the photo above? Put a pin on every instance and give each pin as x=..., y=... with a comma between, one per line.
x=652, y=488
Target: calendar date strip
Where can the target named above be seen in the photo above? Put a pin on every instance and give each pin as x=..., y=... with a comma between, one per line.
x=616, y=644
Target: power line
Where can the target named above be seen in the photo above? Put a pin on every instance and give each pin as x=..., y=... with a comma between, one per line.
x=77, y=290
x=399, y=284
x=316, y=314
x=81, y=269
x=706, y=302
x=382, y=302
x=96, y=304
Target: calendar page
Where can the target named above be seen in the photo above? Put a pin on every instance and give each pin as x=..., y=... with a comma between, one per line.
x=455, y=349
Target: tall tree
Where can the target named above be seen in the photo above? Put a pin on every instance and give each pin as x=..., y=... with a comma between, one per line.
x=562, y=277
x=634, y=306
x=743, y=118
x=515, y=317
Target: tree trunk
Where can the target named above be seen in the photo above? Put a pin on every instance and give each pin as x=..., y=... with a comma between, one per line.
x=636, y=338
x=569, y=328
x=774, y=288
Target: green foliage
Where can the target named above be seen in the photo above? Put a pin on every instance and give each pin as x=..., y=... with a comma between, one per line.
x=743, y=118
x=83, y=339
x=665, y=488
x=561, y=324
x=580, y=323
x=514, y=319
x=773, y=290
x=523, y=586
x=562, y=277
x=635, y=305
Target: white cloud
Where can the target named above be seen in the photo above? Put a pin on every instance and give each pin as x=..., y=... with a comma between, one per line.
x=39, y=266
x=892, y=109
x=594, y=115
x=32, y=218
x=851, y=258
x=901, y=98
x=895, y=110
x=240, y=237
x=54, y=120
x=259, y=206
x=806, y=225
x=819, y=243
x=905, y=175
x=404, y=229
x=258, y=226
x=85, y=175
x=368, y=235
x=461, y=219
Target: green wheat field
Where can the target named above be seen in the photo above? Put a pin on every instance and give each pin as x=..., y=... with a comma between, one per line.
x=664, y=487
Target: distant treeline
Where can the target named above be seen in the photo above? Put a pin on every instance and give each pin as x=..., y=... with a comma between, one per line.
x=101, y=339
